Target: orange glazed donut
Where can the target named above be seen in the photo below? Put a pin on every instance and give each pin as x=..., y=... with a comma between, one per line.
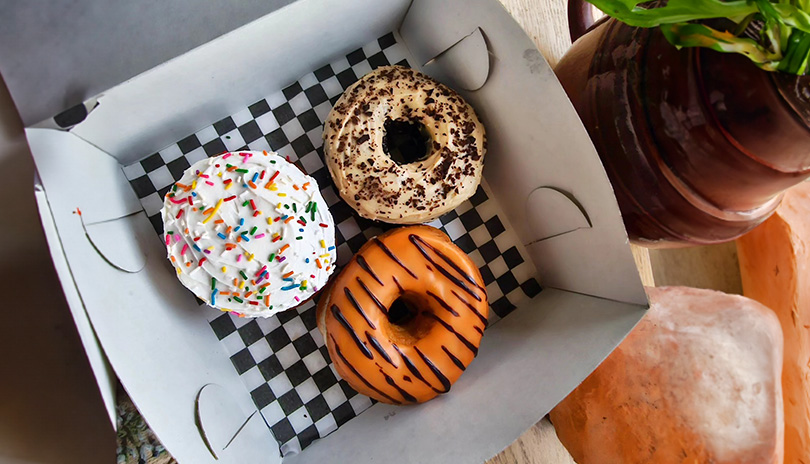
x=405, y=317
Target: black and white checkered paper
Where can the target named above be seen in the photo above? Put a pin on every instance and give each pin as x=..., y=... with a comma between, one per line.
x=283, y=360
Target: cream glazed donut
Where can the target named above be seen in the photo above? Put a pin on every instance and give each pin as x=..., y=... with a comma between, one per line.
x=403, y=148
x=248, y=232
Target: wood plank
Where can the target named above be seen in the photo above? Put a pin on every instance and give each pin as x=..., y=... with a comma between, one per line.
x=715, y=267
x=545, y=22
x=644, y=264
x=538, y=445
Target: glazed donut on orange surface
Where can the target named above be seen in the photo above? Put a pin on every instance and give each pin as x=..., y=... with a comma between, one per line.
x=405, y=317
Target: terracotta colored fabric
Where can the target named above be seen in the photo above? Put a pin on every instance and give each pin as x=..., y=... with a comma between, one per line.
x=697, y=381
x=775, y=267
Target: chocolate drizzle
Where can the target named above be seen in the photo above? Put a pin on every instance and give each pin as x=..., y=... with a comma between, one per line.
x=458, y=282
x=373, y=297
x=409, y=316
x=340, y=318
x=453, y=358
x=393, y=256
x=447, y=260
x=359, y=308
x=472, y=308
x=364, y=266
x=444, y=381
x=450, y=328
x=399, y=286
x=406, y=395
x=412, y=367
x=357, y=374
x=376, y=344
x=443, y=303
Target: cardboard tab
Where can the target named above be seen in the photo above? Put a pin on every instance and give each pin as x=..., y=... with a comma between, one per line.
x=545, y=202
x=465, y=65
x=428, y=32
x=116, y=243
x=223, y=424
x=243, y=447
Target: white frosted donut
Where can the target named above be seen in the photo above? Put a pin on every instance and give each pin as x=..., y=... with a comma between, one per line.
x=248, y=232
x=403, y=148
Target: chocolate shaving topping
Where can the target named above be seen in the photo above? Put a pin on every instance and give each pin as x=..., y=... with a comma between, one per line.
x=379, y=187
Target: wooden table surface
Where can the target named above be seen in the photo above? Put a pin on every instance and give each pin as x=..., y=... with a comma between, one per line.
x=714, y=267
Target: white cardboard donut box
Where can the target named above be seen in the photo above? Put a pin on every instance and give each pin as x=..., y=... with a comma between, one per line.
x=162, y=71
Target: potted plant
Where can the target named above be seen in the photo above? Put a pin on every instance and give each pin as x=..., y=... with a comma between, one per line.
x=699, y=109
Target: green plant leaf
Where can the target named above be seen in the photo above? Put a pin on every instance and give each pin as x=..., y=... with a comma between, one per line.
x=796, y=58
x=784, y=27
x=676, y=11
x=698, y=35
x=767, y=9
x=792, y=16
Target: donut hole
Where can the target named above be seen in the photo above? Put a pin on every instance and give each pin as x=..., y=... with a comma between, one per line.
x=406, y=142
x=406, y=322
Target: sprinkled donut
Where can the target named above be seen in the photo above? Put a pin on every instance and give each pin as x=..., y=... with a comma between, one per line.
x=403, y=148
x=405, y=317
x=248, y=232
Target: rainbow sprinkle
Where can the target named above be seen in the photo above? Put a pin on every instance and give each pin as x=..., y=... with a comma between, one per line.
x=211, y=244
x=216, y=208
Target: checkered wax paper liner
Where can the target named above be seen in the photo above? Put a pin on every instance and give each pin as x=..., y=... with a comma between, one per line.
x=283, y=360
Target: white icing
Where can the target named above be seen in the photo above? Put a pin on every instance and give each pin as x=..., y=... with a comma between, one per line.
x=370, y=181
x=310, y=259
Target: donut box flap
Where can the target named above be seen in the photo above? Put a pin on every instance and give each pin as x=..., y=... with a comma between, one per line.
x=110, y=251
x=565, y=216
x=52, y=58
x=149, y=328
